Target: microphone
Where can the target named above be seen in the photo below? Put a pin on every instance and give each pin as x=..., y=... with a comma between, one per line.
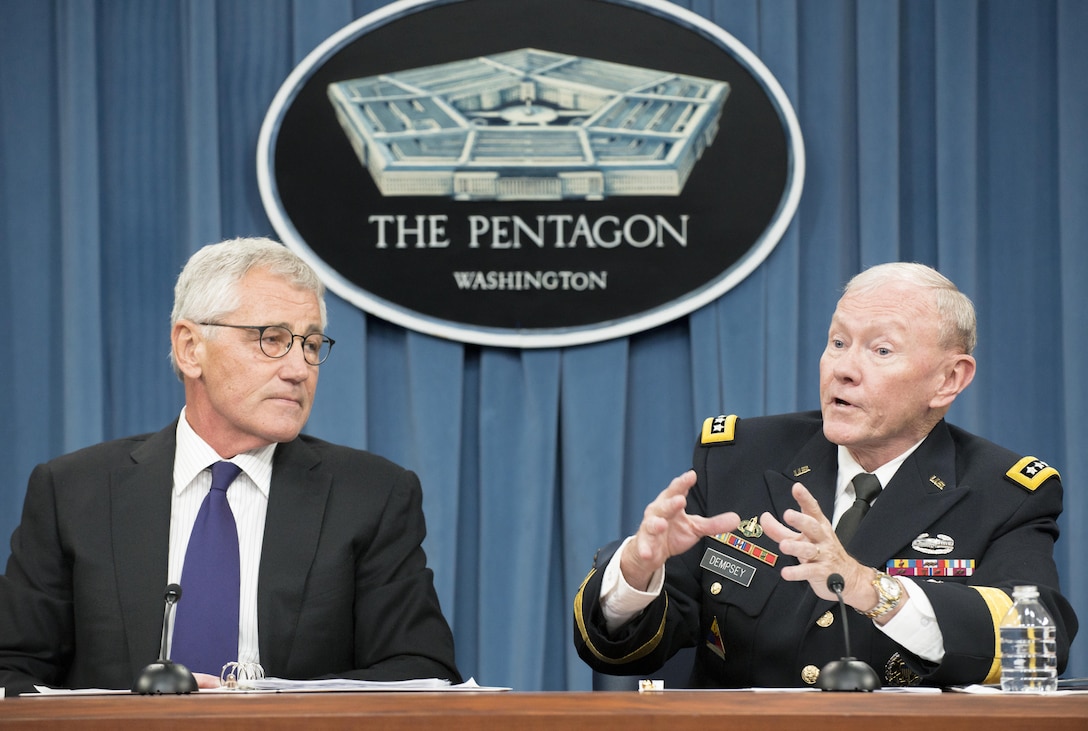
x=847, y=673
x=163, y=676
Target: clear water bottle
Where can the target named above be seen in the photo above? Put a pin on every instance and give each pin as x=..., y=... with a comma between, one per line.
x=1029, y=657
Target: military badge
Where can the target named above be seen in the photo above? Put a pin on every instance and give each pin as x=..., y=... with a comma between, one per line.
x=751, y=528
x=931, y=566
x=719, y=429
x=723, y=565
x=1030, y=473
x=933, y=545
x=898, y=674
x=747, y=547
x=714, y=640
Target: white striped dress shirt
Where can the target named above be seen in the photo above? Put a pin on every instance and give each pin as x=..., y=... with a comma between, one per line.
x=248, y=500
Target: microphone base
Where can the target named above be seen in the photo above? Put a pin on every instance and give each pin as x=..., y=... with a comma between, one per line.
x=848, y=674
x=165, y=678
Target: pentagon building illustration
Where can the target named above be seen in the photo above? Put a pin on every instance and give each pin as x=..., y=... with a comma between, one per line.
x=529, y=125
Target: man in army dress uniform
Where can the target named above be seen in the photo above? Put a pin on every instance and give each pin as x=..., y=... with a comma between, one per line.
x=929, y=526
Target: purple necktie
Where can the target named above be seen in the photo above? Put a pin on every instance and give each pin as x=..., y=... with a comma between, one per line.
x=206, y=622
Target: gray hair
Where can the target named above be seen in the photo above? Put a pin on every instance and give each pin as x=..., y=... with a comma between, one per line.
x=958, y=328
x=207, y=288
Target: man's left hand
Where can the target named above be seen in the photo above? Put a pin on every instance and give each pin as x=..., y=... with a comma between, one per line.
x=814, y=544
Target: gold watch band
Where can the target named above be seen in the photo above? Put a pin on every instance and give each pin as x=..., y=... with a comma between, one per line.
x=889, y=599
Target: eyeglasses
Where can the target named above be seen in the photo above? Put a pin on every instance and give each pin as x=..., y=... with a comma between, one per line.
x=276, y=341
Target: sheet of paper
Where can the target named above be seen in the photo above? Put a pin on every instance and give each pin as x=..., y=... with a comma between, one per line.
x=280, y=685
x=1071, y=689
x=920, y=690
x=46, y=690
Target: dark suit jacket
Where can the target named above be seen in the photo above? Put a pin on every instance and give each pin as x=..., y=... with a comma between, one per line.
x=770, y=632
x=343, y=588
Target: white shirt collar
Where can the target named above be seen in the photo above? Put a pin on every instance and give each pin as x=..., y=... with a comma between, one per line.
x=193, y=455
x=849, y=467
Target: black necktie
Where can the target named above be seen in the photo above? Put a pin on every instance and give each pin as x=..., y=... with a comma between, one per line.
x=866, y=488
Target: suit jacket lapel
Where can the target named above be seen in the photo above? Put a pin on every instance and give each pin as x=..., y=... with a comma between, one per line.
x=140, y=530
x=923, y=489
x=296, y=508
x=815, y=466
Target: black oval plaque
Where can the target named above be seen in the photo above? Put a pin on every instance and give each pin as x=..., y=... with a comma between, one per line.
x=531, y=173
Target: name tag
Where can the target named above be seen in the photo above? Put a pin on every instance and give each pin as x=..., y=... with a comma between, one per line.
x=731, y=569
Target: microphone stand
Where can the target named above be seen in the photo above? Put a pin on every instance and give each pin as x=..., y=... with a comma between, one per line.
x=163, y=676
x=848, y=674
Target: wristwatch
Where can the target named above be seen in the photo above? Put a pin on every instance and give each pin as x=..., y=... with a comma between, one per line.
x=891, y=593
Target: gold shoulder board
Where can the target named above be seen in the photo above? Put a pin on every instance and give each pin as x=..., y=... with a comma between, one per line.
x=1030, y=472
x=719, y=429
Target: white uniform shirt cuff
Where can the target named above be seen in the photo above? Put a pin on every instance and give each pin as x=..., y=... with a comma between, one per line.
x=915, y=625
x=620, y=601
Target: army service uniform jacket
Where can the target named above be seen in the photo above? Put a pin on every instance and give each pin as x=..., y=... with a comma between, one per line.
x=966, y=519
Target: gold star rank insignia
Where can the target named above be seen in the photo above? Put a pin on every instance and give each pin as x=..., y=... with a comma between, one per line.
x=1030, y=473
x=719, y=429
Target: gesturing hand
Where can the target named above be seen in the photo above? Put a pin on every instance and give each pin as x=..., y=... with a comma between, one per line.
x=667, y=530
x=818, y=550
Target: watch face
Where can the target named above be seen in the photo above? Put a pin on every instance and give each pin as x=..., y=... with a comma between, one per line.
x=890, y=587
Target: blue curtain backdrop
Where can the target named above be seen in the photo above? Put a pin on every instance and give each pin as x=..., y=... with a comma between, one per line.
x=952, y=132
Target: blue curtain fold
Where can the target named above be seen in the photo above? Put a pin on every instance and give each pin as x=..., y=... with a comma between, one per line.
x=952, y=132
x=1069, y=396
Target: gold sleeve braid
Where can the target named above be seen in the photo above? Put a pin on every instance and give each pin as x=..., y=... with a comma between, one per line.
x=998, y=603
x=640, y=652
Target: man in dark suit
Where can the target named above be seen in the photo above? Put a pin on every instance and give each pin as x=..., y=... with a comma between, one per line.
x=331, y=577
x=929, y=526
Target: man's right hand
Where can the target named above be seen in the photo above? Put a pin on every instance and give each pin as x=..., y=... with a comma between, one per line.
x=667, y=530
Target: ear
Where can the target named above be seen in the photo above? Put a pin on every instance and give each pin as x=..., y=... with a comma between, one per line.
x=957, y=373
x=188, y=347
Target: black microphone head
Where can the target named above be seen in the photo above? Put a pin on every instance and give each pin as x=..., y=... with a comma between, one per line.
x=836, y=583
x=848, y=674
x=165, y=678
x=173, y=593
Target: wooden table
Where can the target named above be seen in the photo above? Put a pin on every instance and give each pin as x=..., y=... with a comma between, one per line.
x=601, y=711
